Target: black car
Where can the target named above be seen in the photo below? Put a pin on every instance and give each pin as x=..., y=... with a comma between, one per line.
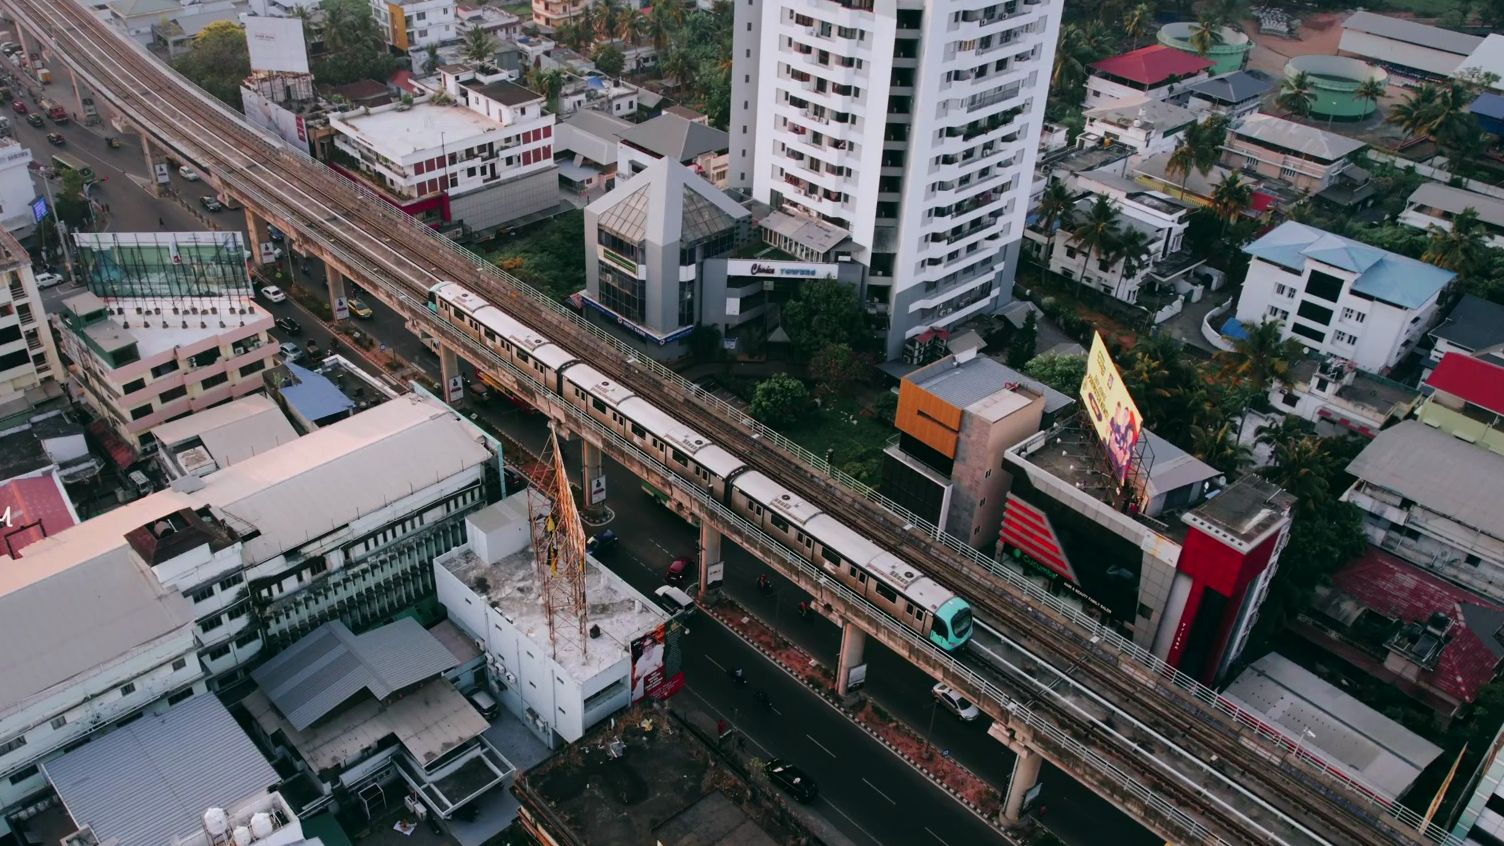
x=288, y=325
x=791, y=780
x=56, y=139
x=211, y=204
x=35, y=120
x=275, y=234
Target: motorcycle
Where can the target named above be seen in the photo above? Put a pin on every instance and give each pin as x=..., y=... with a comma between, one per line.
x=762, y=698
x=112, y=142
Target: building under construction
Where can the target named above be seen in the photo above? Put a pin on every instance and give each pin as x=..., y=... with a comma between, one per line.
x=567, y=642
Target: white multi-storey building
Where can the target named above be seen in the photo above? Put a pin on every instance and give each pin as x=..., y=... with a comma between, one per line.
x=28, y=356
x=910, y=124
x=1340, y=297
x=414, y=24
x=485, y=161
x=17, y=189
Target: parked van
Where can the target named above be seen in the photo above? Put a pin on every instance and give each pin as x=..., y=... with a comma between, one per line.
x=484, y=702
x=139, y=483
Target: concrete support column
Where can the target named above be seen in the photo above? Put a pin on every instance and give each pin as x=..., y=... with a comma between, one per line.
x=27, y=44
x=451, y=380
x=853, y=644
x=592, y=478
x=78, y=98
x=256, y=232
x=155, y=187
x=710, y=554
x=339, y=307
x=1025, y=775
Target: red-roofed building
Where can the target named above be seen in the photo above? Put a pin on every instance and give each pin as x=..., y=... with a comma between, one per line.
x=1149, y=73
x=1467, y=399
x=1436, y=642
x=33, y=508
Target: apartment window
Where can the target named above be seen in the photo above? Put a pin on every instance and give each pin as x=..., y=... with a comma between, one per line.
x=212, y=623
x=13, y=744
x=246, y=639
x=1345, y=338
x=231, y=581
x=214, y=381
x=1284, y=290
x=1288, y=173
x=1278, y=313
x=22, y=775
x=1353, y=315
x=141, y=411
x=164, y=368
x=179, y=664
x=218, y=652
x=173, y=394
x=128, y=688
x=185, y=693
x=202, y=594
x=1308, y=332
x=133, y=385
x=205, y=358
x=59, y=721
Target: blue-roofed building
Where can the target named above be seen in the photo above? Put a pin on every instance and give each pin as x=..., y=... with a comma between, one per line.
x=1340, y=297
x=310, y=398
x=1489, y=110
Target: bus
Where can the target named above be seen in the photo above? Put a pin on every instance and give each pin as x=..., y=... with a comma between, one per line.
x=63, y=163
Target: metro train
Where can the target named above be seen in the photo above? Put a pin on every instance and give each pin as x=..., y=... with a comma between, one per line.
x=885, y=580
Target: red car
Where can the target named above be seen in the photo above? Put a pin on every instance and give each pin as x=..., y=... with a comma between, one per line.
x=19, y=106
x=678, y=571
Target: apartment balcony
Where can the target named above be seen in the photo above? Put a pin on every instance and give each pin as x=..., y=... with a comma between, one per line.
x=17, y=292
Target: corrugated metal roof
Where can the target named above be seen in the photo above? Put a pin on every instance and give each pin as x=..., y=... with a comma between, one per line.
x=151, y=781
x=1410, y=32
x=1475, y=324
x=1473, y=379
x=1289, y=135
x=1450, y=477
x=78, y=619
x=331, y=664
x=314, y=395
x=1456, y=200
x=674, y=137
x=1152, y=65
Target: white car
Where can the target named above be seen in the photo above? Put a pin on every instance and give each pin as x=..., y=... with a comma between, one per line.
x=47, y=280
x=188, y=173
x=290, y=352
x=273, y=294
x=954, y=702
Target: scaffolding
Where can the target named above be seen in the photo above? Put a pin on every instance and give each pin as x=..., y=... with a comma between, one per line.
x=559, y=550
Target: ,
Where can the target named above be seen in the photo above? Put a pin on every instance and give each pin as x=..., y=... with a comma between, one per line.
x=954, y=702
x=35, y=120
x=290, y=352
x=19, y=106
x=288, y=325
x=359, y=308
x=188, y=173
x=210, y=204
x=791, y=780
x=273, y=294
x=47, y=280
x=678, y=571
x=601, y=543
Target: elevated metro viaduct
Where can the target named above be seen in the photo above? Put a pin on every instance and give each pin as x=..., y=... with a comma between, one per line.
x=1169, y=789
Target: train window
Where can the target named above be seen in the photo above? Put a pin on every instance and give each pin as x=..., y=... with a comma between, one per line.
x=490, y=336
x=851, y=568
x=681, y=458
x=598, y=405
x=908, y=608
x=537, y=365
x=657, y=444
x=523, y=357
x=885, y=592
x=638, y=431
x=780, y=524
x=579, y=392
x=830, y=556
x=702, y=472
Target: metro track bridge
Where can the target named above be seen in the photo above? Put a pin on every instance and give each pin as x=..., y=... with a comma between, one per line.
x=1175, y=755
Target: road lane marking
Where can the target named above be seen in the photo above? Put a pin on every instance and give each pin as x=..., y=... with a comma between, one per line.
x=936, y=836
x=715, y=662
x=878, y=792
x=775, y=710
x=821, y=745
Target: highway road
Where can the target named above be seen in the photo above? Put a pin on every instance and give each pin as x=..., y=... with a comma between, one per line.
x=810, y=733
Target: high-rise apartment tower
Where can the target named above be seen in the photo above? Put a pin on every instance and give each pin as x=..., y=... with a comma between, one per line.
x=911, y=124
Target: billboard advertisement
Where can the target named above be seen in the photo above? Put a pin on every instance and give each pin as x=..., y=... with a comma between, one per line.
x=1110, y=408
x=276, y=44
x=656, y=663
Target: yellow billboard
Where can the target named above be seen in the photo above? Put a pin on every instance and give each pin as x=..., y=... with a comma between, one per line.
x=397, y=16
x=1110, y=408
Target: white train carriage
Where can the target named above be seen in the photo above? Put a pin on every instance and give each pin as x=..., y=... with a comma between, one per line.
x=500, y=333
x=596, y=394
x=774, y=508
x=679, y=447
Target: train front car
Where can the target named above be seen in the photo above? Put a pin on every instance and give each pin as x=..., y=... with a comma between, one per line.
x=952, y=625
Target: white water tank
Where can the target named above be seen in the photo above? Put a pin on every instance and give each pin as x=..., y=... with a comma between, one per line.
x=261, y=825
x=242, y=836
x=216, y=822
